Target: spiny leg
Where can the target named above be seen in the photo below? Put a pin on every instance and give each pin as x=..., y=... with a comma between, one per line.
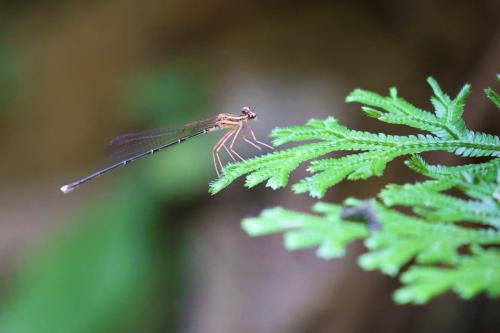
x=257, y=141
x=214, y=157
x=250, y=142
x=215, y=149
x=240, y=127
x=238, y=155
x=245, y=127
x=215, y=164
x=229, y=153
x=221, y=144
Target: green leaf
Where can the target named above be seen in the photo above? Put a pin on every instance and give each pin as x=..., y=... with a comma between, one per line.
x=300, y=230
x=493, y=96
x=439, y=234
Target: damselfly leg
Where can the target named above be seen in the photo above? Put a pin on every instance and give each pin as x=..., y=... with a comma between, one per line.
x=216, y=149
x=250, y=142
x=257, y=141
x=238, y=131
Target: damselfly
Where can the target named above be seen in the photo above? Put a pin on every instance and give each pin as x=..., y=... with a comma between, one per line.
x=131, y=147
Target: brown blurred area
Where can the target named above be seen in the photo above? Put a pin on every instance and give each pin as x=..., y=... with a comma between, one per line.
x=293, y=61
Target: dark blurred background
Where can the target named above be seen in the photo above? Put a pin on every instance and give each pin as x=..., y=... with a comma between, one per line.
x=146, y=248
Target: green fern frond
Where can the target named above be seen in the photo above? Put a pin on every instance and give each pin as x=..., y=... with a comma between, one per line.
x=488, y=169
x=435, y=206
x=327, y=232
x=375, y=149
x=448, y=242
x=449, y=111
x=479, y=181
x=403, y=237
x=471, y=275
x=395, y=110
x=492, y=95
x=278, y=164
x=399, y=239
x=445, y=123
x=352, y=167
x=379, y=150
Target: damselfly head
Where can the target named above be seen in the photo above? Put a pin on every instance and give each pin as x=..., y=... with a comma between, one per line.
x=248, y=111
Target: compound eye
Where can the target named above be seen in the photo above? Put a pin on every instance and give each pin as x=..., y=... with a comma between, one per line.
x=246, y=110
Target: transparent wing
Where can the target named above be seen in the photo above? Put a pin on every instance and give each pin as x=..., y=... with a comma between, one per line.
x=128, y=145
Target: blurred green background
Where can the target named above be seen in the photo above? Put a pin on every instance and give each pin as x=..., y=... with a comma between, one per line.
x=145, y=248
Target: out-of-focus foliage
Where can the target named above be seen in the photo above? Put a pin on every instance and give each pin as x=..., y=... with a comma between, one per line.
x=10, y=76
x=120, y=257
x=176, y=92
x=94, y=277
x=434, y=235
